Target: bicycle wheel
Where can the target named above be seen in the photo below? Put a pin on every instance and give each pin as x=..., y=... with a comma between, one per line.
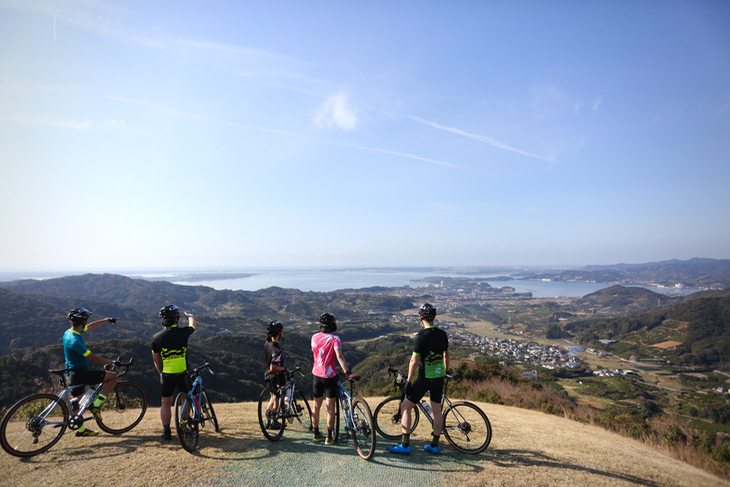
x=303, y=418
x=33, y=425
x=187, y=428
x=271, y=421
x=123, y=409
x=467, y=428
x=208, y=413
x=363, y=434
x=387, y=418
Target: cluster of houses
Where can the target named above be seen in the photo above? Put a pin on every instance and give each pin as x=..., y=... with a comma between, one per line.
x=548, y=356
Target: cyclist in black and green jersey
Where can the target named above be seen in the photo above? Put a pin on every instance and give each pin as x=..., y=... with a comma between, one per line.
x=169, y=352
x=432, y=359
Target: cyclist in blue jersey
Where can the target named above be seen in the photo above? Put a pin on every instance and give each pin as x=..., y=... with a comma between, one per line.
x=169, y=353
x=78, y=358
x=432, y=359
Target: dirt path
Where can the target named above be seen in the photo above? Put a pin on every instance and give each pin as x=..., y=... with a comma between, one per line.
x=528, y=449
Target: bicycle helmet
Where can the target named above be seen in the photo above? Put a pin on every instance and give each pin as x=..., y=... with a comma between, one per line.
x=169, y=314
x=427, y=312
x=273, y=328
x=78, y=315
x=328, y=323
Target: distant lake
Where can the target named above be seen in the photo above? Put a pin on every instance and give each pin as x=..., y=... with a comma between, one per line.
x=330, y=280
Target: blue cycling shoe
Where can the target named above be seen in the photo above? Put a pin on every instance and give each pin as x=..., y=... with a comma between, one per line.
x=431, y=449
x=399, y=449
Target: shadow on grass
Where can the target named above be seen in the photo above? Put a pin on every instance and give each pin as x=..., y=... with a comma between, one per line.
x=528, y=458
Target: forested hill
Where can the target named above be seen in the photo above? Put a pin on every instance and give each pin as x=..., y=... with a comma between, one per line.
x=700, y=327
x=624, y=298
x=150, y=296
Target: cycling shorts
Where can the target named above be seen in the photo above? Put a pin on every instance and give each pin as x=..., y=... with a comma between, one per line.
x=325, y=387
x=275, y=380
x=423, y=385
x=169, y=381
x=82, y=377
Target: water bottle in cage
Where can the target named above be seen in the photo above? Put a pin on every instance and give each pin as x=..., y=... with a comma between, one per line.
x=85, y=400
x=426, y=407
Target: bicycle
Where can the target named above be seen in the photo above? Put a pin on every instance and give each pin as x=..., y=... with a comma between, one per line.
x=358, y=419
x=466, y=427
x=192, y=409
x=36, y=423
x=292, y=407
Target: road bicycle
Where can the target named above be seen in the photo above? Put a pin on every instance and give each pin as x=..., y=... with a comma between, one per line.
x=466, y=427
x=358, y=420
x=36, y=423
x=290, y=407
x=193, y=409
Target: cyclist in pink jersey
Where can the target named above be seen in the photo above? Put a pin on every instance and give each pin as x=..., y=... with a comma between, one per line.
x=326, y=347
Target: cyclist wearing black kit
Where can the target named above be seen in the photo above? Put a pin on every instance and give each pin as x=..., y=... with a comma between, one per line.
x=431, y=357
x=169, y=353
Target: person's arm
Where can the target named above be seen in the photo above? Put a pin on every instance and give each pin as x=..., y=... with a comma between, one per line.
x=191, y=320
x=157, y=359
x=447, y=360
x=341, y=359
x=96, y=359
x=412, y=367
x=96, y=324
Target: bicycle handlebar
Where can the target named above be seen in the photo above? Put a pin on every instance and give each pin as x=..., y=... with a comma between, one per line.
x=196, y=370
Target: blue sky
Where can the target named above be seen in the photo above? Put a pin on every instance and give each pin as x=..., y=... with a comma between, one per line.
x=329, y=133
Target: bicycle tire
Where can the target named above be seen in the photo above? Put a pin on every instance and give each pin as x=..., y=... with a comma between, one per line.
x=466, y=425
x=387, y=418
x=363, y=432
x=123, y=409
x=16, y=436
x=208, y=412
x=187, y=429
x=264, y=415
x=303, y=418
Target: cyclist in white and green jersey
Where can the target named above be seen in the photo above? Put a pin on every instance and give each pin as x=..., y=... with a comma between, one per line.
x=432, y=359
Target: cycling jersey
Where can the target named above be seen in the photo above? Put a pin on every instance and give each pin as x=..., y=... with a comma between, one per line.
x=323, y=348
x=74, y=350
x=274, y=355
x=430, y=345
x=172, y=345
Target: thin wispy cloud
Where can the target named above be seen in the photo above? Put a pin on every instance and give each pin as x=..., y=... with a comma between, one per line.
x=483, y=138
x=597, y=103
x=336, y=111
x=410, y=156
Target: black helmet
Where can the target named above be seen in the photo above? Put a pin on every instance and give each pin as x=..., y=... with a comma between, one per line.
x=78, y=315
x=328, y=323
x=427, y=312
x=273, y=328
x=169, y=314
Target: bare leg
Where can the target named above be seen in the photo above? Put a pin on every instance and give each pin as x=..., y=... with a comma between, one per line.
x=165, y=410
x=405, y=422
x=331, y=413
x=438, y=418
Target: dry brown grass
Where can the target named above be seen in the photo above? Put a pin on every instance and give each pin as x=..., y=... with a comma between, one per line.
x=528, y=448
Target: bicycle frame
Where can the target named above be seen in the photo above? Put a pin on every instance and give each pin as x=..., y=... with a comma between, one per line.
x=76, y=419
x=196, y=391
x=345, y=399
